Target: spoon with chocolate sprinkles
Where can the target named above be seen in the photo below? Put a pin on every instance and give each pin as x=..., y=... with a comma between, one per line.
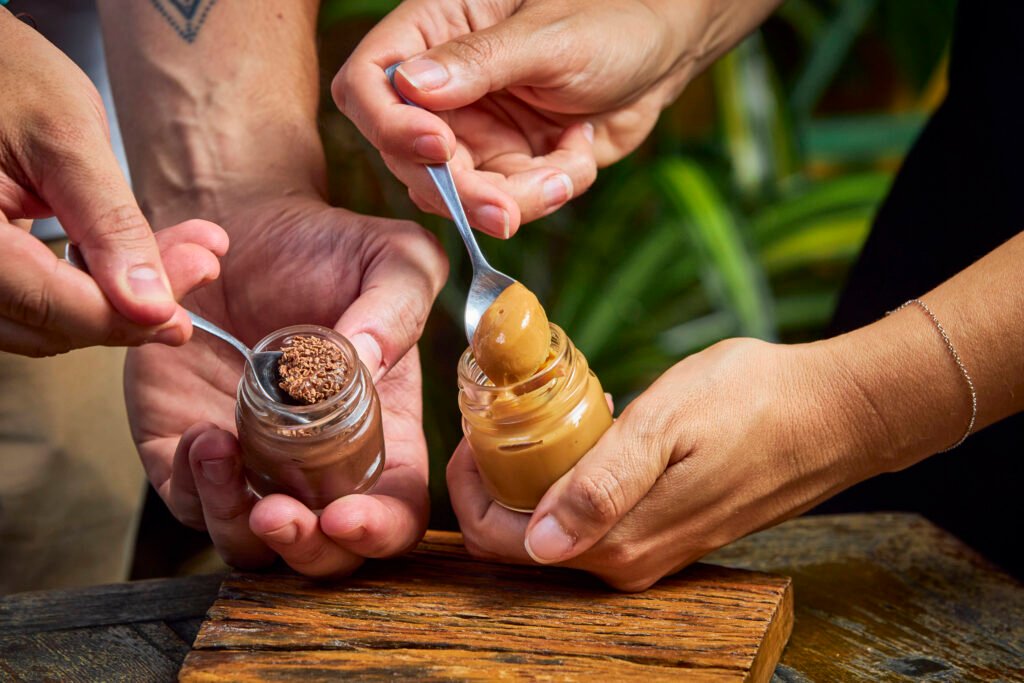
x=264, y=364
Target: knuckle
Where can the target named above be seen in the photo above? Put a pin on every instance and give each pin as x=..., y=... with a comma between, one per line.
x=598, y=496
x=307, y=556
x=340, y=86
x=477, y=550
x=630, y=584
x=123, y=227
x=475, y=50
x=31, y=305
x=227, y=510
x=191, y=518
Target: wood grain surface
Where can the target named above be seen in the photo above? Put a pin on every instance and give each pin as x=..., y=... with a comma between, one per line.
x=440, y=615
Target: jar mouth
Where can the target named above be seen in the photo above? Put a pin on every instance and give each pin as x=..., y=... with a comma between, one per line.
x=312, y=411
x=470, y=373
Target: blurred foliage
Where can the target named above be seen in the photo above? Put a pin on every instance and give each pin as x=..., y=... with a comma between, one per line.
x=739, y=216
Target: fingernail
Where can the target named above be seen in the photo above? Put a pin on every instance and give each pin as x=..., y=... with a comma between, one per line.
x=218, y=471
x=431, y=147
x=549, y=542
x=557, y=190
x=146, y=283
x=369, y=353
x=286, y=535
x=424, y=74
x=492, y=219
x=588, y=132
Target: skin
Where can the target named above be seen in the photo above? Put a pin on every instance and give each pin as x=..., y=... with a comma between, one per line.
x=747, y=434
x=532, y=96
x=260, y=170
x=56, y=159
x=512, y=338
x=730, y=440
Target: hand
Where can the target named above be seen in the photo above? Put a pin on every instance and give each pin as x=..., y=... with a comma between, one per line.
x=55, y=159
x=532, y=96
x=298, y=261
x=727, y=442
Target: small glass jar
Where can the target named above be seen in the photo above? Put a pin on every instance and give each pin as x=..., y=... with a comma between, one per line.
x=314, y=453
x=524, y=437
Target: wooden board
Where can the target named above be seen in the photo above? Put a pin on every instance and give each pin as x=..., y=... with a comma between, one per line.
x=440, y=615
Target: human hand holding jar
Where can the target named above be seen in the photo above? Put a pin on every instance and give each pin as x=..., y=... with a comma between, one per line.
x=728, y=441
x=372, y=281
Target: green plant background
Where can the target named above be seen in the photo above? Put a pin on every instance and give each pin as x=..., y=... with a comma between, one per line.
x=739, y=216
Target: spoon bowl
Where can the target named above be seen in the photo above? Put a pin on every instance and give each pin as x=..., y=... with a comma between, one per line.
x=488, y=283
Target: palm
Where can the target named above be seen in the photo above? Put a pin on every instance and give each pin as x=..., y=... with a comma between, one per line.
x=292, y=261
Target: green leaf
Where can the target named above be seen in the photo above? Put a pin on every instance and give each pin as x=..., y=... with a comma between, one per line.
x=333, y=11
x=828, y=54
x=809, y=203
x=754, y=122
x=837, y=237
x=731, y=273
x=623, y=288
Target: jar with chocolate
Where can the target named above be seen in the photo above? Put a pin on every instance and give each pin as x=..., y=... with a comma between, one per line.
x=526, y=435
x=330, y=441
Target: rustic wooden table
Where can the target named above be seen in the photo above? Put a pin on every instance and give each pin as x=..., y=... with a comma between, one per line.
x=878, y=597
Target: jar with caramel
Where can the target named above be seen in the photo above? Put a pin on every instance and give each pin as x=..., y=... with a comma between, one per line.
x=318, y=452
x=525, y=436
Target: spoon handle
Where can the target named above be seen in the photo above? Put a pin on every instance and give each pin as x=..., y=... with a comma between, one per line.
x=441, y=174
x=206, y=326
x=73, y=255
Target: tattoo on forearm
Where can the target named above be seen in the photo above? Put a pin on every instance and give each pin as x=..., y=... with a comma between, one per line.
x=186, y=17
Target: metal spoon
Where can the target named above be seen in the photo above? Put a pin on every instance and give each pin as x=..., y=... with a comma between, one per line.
x=487, y=282
x=264, y=363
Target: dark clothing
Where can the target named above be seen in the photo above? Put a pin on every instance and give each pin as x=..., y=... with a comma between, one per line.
x=957, y=197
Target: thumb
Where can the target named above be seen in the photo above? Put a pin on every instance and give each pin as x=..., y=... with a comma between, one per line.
x=89, y=194
x=398, y=289
x=468, y=67
x=590, y=499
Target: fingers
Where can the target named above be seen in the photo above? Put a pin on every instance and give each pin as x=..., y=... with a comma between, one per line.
x=389, y=522
x=215, y=461
x=489, y=530
x=582, y=506
x=293, y=531
x=406, y=271
x=190, y=252
x=39, y=291
x=511, y=188
x=466, y=68
x=364, y=94
x=78, y=176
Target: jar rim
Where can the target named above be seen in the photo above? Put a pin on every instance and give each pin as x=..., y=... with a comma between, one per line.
x=299, y=409
x=470, y=373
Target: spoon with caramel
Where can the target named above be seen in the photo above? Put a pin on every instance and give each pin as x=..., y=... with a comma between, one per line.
x=488, y=283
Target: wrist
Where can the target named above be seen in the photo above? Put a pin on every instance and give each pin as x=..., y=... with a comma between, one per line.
x=899, y=395
x=212, y=168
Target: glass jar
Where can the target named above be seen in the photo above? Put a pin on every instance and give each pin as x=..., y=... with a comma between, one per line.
x=527, y=435
x=314, y=453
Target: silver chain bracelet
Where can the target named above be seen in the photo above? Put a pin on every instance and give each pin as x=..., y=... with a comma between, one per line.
x=959, y=363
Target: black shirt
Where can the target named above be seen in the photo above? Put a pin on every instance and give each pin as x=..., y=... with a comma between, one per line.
x=959, y=195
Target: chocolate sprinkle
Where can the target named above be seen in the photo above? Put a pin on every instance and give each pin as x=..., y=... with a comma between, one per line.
x=312, y=369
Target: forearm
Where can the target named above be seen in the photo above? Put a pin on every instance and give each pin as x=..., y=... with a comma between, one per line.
x=904, y=393
x=230, y=113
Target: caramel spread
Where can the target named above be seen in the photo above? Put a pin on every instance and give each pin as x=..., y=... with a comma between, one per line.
x=512, y=340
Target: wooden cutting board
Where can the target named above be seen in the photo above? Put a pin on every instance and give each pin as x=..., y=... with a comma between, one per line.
x=438, y=614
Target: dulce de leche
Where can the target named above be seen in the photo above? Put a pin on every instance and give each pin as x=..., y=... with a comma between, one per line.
x=512, y=338
x=524, y=436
